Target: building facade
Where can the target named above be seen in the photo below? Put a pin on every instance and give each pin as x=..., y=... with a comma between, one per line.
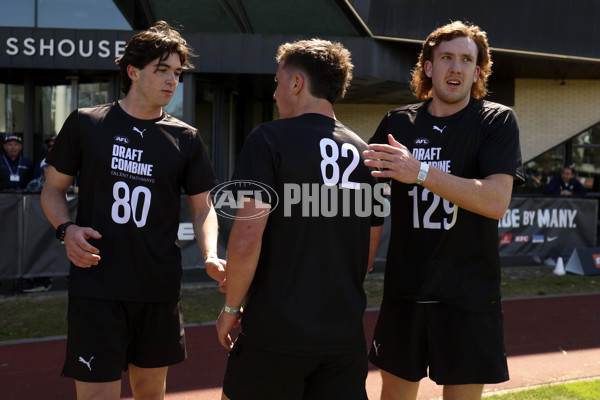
x=56, y=55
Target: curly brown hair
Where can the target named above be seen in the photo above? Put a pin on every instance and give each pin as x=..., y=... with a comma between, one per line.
x=421, y=85
x=159, y=41
x=327, y=66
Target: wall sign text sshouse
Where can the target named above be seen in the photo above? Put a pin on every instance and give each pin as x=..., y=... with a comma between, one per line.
x=60, y=48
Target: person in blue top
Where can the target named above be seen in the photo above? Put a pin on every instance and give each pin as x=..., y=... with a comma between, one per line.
x=15, y=170
x=565, y=184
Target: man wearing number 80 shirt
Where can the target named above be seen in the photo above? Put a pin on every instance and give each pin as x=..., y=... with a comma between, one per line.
x=453, y=159
x=300, y=269
x=133, y=161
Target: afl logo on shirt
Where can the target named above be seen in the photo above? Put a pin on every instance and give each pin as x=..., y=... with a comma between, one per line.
x=421, y=142
x=121, y=139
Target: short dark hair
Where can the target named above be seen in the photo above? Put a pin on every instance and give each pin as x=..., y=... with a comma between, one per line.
x=327, y=66
x=159, y=41
x=421, y=84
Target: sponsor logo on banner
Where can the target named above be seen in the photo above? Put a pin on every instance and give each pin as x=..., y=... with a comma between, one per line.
x=521, y=239
x=537, y=239
x=505, y=238
x=596, y=258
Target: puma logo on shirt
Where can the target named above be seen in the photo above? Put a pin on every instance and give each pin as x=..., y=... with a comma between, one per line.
x=140, y=132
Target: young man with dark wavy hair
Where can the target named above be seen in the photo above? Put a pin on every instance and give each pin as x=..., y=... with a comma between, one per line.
x=453, y=159
x=133, y=160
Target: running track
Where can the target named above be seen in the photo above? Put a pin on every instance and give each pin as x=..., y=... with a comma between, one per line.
x=548, y=340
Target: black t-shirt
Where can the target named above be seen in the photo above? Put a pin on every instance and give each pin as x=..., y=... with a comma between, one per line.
x=307, y=295
x=132, y=174
x=437, y=251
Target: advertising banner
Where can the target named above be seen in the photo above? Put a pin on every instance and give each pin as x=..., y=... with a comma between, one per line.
x=547, y=226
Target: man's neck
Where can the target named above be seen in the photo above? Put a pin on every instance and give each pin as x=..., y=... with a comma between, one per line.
x=317, y=106
x=138, y=110
x=439, y=108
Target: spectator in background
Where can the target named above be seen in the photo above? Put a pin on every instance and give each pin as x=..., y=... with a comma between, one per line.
x=73, y=189
x=36, y=184
x=545, y=176
x=531, y=178
x=15, y=170
x=565, y=184
x=48, y=143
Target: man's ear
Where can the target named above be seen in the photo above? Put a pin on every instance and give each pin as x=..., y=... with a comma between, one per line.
x=477, y=72
x=298, y=83
x=427, y=67
x=132, y=72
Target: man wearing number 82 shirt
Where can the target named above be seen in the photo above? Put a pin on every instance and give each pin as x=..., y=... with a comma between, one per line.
x=300, y=271
x=133, y=161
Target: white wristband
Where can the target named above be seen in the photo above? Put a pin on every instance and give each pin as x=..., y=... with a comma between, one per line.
x=422, y=173
x=231, y=310
x=210, y=254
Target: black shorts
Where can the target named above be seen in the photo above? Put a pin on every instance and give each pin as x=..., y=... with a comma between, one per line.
x=257, y=374
x=457, y=346
x=104, y=336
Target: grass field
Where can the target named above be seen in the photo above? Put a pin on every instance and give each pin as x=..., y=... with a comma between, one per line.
x=41, y=315
x=584, y=390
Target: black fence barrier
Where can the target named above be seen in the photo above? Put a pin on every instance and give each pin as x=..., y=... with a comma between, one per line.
x=29, y=249
x=532, y=226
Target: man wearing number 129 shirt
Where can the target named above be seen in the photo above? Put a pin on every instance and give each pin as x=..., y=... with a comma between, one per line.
x=454, y=159
x=133, y=161
x=300, y=269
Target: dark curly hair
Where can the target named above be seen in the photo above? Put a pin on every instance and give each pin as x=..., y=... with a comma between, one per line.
x=327, y=66
x=421, y=84
x=159, y=41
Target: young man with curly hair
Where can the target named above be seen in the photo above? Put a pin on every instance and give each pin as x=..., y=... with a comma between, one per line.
x=453, y=160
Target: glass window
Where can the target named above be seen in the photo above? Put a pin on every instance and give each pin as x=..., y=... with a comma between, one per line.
x=22, y=13
x=586, y=158
x=52, y=106
x=12, y=109
x=80, y=14
x=582, y=152
x=91, y=94
x=204, y=115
